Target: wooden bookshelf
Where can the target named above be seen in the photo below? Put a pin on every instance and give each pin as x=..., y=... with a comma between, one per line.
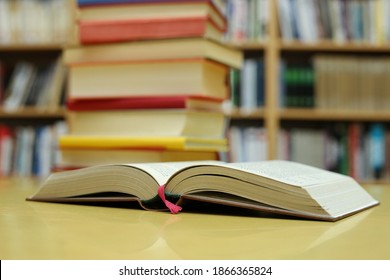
x=257, y=114
x=329, y=46
x=311, y=115
x=41, y=51
x=248, y=46
x=273, y=49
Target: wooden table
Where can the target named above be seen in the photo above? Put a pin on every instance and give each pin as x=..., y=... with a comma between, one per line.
x=36, y=230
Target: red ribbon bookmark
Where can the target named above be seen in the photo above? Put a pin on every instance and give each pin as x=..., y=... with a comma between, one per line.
x=172, y=207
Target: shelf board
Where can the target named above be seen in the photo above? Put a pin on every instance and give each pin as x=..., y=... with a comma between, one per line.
x=31, y=47
x=33, y=113
x=248, y=45
x=241, y=114
x=333, y=115
x=333, y=47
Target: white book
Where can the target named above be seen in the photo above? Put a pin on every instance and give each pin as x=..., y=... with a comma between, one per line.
x=20, y=84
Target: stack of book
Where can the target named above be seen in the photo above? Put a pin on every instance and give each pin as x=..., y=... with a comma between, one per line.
x=147, y=82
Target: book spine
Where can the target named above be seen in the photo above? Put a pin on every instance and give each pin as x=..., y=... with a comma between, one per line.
x=34, y=22
x=123, y=30
x=342, y=82
x=29, y=150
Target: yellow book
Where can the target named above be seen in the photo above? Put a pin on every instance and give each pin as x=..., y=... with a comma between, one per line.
x=150, y=123
x=171, y=143
x=180, y=48
x=193, y=77
x=75, y=158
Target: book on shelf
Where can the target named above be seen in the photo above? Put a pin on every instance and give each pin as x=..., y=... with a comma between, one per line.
x=297, y=84
x=152, y=122
x=280, y=187
x=356, y=149
x=175, y=48
x=247, y=20
x=335, y=20
x=29, y=150
x=304, y=140
x=53, y=89
x=19, y=86
x=139, y=21
x=39, y=86
x=173, y=77
x=377, y=148
x=343, y=82
x=252, y=84
x=2, y=82
x=116, y=142
x=6, y=150
x=24, y=147
x=77, y=158
x=200, y=103
x=387, y=155
x=247, y=143
x=34, y=22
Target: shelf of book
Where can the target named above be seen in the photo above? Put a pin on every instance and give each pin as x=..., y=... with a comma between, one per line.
x=33, y=35
x=279, y=53
x=247, y=46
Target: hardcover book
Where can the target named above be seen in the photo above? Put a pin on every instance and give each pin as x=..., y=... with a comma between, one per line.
x=152, y=123
x=147, y=142
x=192, y=77
x=142, y=102
x=72, y=158
x=281, y=187
x=154, y=50
x=138, y=21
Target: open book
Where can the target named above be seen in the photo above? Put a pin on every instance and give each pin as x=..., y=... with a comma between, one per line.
x=280, y=187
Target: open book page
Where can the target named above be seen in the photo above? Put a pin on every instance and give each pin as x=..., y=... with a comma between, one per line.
x=289, y=172
x=336, y=193
x=162, y=171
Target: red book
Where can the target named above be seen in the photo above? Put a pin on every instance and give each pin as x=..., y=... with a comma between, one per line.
x=6, y=150
x=2, y=83
x=127, y=30
x=138, y=21
x=140, y=102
